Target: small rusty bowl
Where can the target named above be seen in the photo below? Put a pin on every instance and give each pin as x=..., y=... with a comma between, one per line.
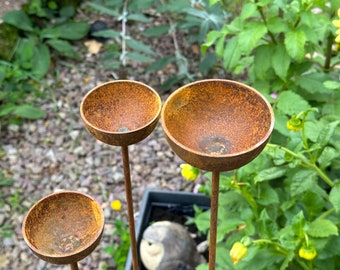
x=217, y=125
x=121, y=112
x=64, y=227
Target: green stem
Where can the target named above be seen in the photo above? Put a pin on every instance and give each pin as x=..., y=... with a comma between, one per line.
x=327, y=213
x=322, y=175
x=278, y=247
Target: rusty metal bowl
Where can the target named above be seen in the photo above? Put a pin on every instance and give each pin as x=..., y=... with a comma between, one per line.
x=64, y=227
x=217, y=125
x=121, y=112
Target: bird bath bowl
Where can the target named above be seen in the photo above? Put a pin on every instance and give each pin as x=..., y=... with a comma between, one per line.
x=64, y=227
x=217, y=125
x=121, y=112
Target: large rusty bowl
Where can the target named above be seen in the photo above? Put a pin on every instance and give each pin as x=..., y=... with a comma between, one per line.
x=121, y=112
x=63, y=227
x=217, y=125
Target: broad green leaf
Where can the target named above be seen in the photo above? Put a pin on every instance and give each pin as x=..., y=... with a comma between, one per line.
x=231, y=53
x=63, y=47
x=267, y=195
x=327, y=156
x=270, y=174
x=327, y=133
x=334, y=197
x=248, y=10
x=277, y=25
x=295, y=44
x=6, y=109
x=313, y=204
x=156, y=31
x=28, y=111
x=333, y=85
x=298, y=223
x=212, y=36
x=322, y=228
x=41, y=61
x=263, y=60
x=303, y=181
x=291, y=103
x=313, y=83
x=281, y=61
x=19, y=19
x=109, y=33
x=73, y=30
x=249, y=38
x=139, y=46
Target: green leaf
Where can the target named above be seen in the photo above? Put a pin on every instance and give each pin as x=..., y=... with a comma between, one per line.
x=295, y=44
x=281, y=62
x=160, y=63
x=19, y=19
x=41, y=61
x=231, y=53
x=156, y=31
x=313, y=83
x=313, y=203
x=327, y=133
x=291, y=103
x=104, y=10
x=303, y=181
x=63, y=47
x=139, y=57
x=249, y=38
x=29, y=112
x=277, y=25
x=248, y=10
x=334, y=197
x=138, y=17
x=327, y=156
x=333, y=85
x=270, y=174
x=322, y=228
x=73, y=30
x=267, y=195
x=139, y=46
x=211, y=38
x=263, y=60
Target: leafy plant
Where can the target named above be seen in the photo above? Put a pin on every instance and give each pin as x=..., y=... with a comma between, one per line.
x=281, y=211
x=191, y=18
x=120, y=249
x=41, y=31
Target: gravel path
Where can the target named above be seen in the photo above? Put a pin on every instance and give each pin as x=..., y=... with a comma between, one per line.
x=57, y=153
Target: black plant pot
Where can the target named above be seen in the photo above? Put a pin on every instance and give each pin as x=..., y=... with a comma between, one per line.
x=158, y=205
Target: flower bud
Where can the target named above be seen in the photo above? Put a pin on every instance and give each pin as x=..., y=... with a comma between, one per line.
x=307, y=253
x=189, y=172
x=238, y=251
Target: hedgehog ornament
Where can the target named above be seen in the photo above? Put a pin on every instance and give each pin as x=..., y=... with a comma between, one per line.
x=168, y=246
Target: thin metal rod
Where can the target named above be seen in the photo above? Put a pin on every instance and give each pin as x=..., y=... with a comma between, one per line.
x=128, y=193
x=74, y=266
x=213, y=219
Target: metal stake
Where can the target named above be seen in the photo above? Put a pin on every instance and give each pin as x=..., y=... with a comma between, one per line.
x=128, y=192
x=213, y=218
x=74, y=266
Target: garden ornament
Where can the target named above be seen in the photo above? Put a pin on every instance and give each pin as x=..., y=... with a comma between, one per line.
x=168, y=246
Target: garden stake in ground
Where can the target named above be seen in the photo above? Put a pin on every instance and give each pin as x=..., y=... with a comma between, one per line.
x=217, y=125
x=64, y=227
x=122, y=113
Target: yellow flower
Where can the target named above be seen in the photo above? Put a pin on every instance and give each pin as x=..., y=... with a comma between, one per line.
x=116, y=205
x=238, y=251
x=189, y=172
x=294, y=124
x=307, y=253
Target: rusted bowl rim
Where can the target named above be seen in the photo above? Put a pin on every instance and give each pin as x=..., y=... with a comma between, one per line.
x=261, y=142
x=47, y=255
x=155, y=118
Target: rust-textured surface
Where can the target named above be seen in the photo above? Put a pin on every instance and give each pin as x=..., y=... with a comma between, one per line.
x=63, y=227
x=217, y=125
x=121, y=112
